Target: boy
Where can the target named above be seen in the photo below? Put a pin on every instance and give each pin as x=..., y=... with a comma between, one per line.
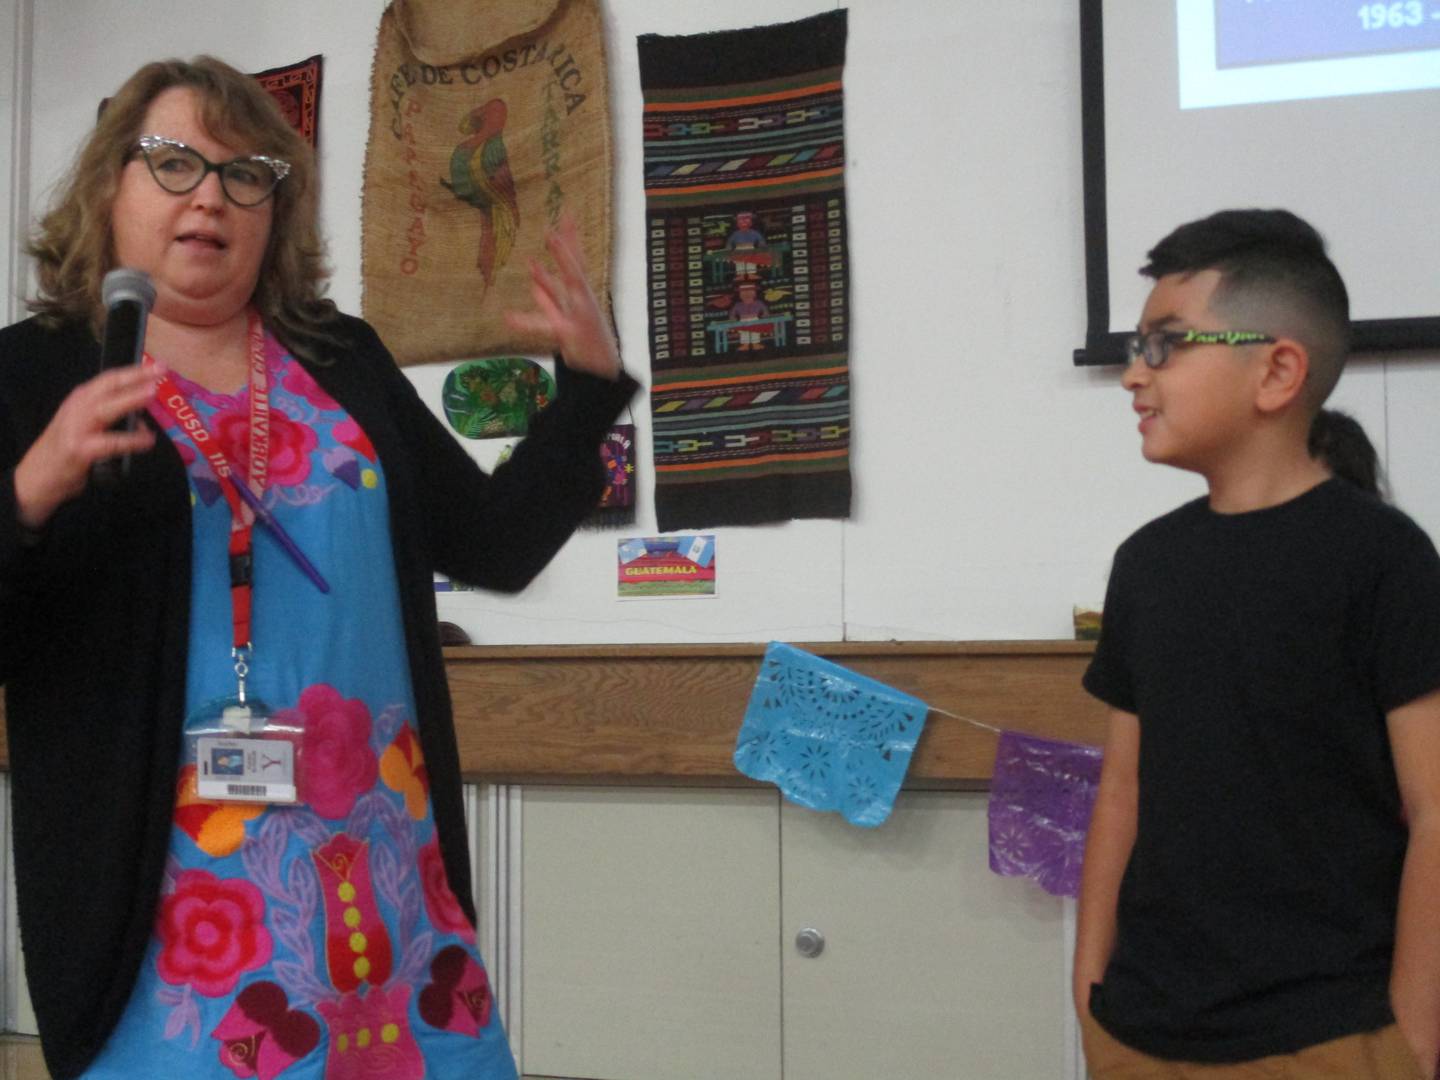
x=1261, y=890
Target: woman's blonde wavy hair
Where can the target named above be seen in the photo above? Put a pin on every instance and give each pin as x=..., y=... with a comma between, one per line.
x=73, y=247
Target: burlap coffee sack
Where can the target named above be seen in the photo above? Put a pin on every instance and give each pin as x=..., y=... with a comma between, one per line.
x=445, y=32
x=487, y=119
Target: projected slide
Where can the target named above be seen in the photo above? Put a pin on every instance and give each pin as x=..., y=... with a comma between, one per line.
x=1311, y=105
x=1279, y=31
x=1238, y=52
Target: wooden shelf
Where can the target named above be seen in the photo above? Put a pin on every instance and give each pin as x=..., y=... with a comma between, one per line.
x=667, y=714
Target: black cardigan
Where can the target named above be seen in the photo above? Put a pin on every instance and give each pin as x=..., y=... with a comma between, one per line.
x=93, y=633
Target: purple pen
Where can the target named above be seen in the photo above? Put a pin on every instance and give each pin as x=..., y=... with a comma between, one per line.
x=292, y=549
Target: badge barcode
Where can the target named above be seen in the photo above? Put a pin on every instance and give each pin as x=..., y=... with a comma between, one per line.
x=245, y=789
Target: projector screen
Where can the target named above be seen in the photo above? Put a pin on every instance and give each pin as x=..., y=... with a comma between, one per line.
x=1329, y=108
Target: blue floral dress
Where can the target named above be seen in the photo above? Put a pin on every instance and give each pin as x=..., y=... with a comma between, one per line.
x=319, y=939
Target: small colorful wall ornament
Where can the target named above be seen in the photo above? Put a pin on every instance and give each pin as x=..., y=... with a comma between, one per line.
x=617, y=502
x=495, y=398
x=665, y=567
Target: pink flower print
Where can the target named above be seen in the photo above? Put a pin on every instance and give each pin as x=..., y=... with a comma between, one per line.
x=261, y=1035
x=458, y=997
x=302, y=384
x=357, y=945
x=290, y=444
x=211, y=932
x=370, y=1037
x=441, y=905
x=348, y=432
x=336, y=765
x=231, y=428
x=290, y=447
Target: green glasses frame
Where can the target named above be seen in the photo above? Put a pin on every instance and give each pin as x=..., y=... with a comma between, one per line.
x=1155, y=347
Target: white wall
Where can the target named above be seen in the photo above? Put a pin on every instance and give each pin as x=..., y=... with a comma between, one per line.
x=14, y=145
x=993, y=479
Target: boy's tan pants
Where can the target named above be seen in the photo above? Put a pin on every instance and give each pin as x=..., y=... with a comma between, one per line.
x=1374, y=1055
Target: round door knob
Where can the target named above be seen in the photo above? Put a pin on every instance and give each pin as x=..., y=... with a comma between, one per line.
x=809, y=942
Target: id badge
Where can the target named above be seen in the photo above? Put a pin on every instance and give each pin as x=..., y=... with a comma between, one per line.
x=241, y=754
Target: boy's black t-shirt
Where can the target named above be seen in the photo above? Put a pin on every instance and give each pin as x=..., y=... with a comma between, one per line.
x=1261, y=652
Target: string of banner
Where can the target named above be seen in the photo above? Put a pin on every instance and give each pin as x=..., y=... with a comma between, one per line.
x=832, y=739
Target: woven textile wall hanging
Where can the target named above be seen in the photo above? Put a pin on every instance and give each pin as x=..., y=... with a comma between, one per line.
x=749, y=306
x=296, y=89
x=488, y=119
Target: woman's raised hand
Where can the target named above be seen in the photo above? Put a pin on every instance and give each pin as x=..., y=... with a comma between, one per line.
x=566, y=316
x=57, y=466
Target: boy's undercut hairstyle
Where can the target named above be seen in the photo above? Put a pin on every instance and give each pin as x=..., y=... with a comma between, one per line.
x=1274, y=274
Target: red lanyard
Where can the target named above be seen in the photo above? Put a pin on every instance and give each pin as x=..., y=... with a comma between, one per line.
x=172, y=400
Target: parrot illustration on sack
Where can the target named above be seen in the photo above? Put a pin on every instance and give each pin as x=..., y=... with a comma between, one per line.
x=480, y=176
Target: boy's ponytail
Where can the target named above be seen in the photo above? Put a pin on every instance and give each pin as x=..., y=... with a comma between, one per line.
x=1338, y=441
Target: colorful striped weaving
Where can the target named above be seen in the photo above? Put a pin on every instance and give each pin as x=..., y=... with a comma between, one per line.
x=749, y=304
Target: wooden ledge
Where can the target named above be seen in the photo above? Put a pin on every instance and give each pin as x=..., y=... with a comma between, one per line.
x=670, y=713
x=667, y=714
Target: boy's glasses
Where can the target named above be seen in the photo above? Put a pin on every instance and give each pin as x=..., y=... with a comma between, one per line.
x=246, y=181
x=1155, y=347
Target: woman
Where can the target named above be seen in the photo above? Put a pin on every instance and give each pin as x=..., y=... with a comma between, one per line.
x=167, y=933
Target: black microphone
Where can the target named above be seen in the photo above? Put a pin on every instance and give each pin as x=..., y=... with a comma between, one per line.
x=128, y=296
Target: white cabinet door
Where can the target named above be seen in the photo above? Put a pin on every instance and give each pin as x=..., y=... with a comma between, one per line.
x=933, y=968
x=650, y=927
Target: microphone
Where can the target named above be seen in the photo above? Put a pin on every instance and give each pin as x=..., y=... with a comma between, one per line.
x=128, y=296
